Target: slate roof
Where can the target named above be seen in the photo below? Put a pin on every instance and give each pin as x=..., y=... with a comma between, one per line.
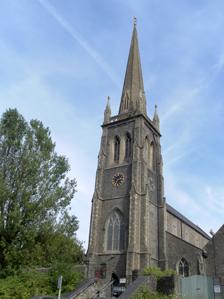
x=177, y=214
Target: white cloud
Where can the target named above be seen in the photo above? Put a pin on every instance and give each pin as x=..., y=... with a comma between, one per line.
x=78, y=38
x=199, y=208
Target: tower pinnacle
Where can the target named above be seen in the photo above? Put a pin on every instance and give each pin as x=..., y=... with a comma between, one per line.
x=156, y=119
x=107, y=111
x=133, y=97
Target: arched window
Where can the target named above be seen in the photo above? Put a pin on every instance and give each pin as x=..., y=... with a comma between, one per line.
x=116, y=148
x=128, y=146
x=151, y=155
x=115, y=232
x=183, y=268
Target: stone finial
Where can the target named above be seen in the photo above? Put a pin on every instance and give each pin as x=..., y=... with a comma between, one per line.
x=107, y=112
x=134, y=21
x=156, y=119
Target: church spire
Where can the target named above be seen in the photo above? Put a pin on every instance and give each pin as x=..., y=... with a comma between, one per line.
x=133, y=97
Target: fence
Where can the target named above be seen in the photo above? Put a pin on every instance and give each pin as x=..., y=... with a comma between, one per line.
x=198, y=287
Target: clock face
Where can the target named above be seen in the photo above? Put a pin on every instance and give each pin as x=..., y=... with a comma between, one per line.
x=118, y=179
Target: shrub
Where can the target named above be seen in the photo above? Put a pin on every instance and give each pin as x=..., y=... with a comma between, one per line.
x=144, y=293
x=70, y=276
x=24, y=285
x=158, y=273
x=30, y=282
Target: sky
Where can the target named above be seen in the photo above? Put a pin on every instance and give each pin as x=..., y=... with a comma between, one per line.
x=59, y=60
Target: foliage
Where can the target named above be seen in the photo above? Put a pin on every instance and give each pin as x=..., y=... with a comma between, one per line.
x=26, y=284
x=158, y=273
x=34, y=193
x=144, y=293
x=36, y=229
x=70, y=277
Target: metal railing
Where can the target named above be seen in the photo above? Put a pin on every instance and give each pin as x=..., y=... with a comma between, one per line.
x=102, y=290
x=84, y=286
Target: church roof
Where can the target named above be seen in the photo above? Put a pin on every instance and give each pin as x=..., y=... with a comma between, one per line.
x=177, y=214
x=133, y=97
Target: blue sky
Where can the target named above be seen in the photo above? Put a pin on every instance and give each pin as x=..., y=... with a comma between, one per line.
x=59, y=60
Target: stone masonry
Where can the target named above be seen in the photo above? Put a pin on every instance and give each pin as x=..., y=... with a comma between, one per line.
x=132, y=226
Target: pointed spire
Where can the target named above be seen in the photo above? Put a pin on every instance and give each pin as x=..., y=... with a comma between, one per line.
x=107, y=111
x=156, y=121
x=133, y=97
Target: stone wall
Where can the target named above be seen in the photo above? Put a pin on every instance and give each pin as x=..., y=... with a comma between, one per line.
x=215, y=255
x=178, y=228
x=178, y=249
x=136, y=199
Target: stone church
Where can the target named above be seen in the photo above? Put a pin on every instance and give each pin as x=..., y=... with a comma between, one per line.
x=132, y=226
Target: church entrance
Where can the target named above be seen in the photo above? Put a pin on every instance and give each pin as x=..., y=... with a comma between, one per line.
x=118, y=286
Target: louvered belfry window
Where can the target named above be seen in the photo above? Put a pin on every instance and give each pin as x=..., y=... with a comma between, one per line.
x=128, y=146
x=116, y=148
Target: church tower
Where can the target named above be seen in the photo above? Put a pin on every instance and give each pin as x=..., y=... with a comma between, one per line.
x=127, y=231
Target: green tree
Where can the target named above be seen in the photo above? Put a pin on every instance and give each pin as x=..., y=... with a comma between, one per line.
x=35, y=193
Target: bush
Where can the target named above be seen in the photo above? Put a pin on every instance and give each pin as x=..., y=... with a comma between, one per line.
x=30, y=282
x=158, y=273
x=71, y=278
x=24, y=285
x=144, y=293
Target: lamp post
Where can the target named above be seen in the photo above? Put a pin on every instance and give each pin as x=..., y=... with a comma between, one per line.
x=59, y=286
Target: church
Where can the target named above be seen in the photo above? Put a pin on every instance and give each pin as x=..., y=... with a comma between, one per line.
x=132, y=226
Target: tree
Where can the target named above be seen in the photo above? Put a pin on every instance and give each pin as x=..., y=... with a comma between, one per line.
x=35, y=194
